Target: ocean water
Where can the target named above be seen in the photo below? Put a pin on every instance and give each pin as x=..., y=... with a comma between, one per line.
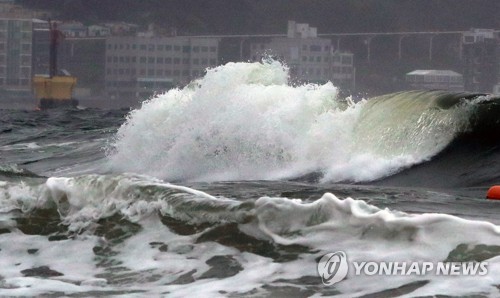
x=237, y=184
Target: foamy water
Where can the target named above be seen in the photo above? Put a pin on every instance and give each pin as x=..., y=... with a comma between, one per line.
x=153, y=258
x=244, y=121
x=78, y=221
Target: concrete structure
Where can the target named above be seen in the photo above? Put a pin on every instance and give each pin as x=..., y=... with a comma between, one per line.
x=481, y=59
x=310, y=58
x=121, y=28
x=15, y=54
x=98, y=31
x=435, y=79
x=138, y=66
x=74, y=29
x=85, y=58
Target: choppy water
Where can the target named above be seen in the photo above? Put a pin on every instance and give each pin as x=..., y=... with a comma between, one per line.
x=239, y=183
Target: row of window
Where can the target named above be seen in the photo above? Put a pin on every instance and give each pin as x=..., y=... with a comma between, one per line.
x=162, y=47
x=17, y=25
x=25, y=47
x=14, y=82
x=431, y=78
x=22, y=72
x=153, y=72
x=161, y=60
x=325, y=71
x=310, y=48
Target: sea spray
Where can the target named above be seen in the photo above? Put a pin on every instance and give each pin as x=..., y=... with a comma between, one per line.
x=243, y=121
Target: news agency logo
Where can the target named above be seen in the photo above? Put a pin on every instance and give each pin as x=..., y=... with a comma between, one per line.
x=333, y=267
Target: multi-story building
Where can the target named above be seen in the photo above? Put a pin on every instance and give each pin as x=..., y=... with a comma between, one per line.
x=481, y=60
x=308, y=57
x=15, y=54
x=139, y=66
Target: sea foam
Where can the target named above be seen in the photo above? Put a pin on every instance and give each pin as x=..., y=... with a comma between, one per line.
x=244, y=121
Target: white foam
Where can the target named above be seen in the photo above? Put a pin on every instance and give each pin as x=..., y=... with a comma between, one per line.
x=243, y=121
x=363, y=231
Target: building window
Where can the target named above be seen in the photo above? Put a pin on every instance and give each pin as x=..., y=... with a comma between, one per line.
x=196, y=61
x=159, y=60
x=213, y=62
x=186, y=49
x=133, y=59
x=168, y=72
x=177, y=48
x=143, y=47
x=159, y=72
x=213, y=49
x=204, y=49
x=142, y=72
x=177, y=60
x=168, y=48
x=142, y=59
x=168, y=60
x=185, y=61
x=159, y=47
x=151, y=47
x=177, y=72
x=196, y=49
x=151, y=72
x=315, y=48
x=204, y=61
x=109, y=59
x=347, y=60
x=318, y=59
x=151, y=60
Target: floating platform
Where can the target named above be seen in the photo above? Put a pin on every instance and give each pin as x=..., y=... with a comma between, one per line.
x=54, y=92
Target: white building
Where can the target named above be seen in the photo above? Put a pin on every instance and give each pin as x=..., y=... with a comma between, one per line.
x=435, y=79
x=309, y=57
x=15, y=54
x=139, y=66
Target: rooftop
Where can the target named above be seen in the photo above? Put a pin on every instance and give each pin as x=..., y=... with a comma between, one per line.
x=434, y=72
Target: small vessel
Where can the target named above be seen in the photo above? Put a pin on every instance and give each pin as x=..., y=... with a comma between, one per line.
x=56, y=89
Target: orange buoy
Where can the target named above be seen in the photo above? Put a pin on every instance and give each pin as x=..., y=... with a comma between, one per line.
x=494, y=193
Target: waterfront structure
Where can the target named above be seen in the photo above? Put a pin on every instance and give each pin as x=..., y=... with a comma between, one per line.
x=309, y=58
x=140, y=66
x=15, y=54
x=481, y=56
x=435, y=79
